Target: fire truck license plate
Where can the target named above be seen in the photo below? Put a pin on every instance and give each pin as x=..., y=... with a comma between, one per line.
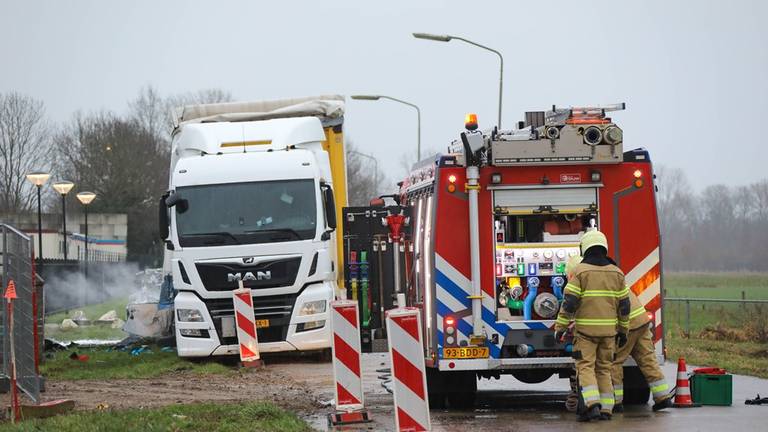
x=465, y=353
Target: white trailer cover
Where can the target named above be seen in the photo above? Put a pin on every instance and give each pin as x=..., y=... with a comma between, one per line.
x=326, y=107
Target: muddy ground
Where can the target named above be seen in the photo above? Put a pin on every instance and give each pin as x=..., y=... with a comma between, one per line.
x=269, y=384
x=306, y=388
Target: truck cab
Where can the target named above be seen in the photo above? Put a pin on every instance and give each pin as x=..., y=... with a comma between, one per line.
x=252, y=201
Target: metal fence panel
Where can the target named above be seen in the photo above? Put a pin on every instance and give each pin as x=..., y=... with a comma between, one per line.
x=17, y=266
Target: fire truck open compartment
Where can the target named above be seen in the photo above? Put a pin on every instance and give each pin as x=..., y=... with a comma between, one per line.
x=536, y=231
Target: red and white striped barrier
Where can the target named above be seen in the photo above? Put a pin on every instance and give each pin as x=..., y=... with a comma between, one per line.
x=246, y=326
x=347, y=370
x=406, y=353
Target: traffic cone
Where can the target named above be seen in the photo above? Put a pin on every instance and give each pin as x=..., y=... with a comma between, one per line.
x=683, y=392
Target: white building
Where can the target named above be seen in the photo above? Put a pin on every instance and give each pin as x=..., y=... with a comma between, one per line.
x=107, y=235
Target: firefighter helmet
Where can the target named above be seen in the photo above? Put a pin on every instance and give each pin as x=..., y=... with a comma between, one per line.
x=570, y=266
x=593, y=238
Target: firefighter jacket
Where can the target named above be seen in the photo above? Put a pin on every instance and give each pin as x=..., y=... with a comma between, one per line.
x=597, y=300
x=638, y=316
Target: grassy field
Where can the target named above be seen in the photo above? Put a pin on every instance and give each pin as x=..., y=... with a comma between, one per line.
x=742, y=357
x=718, y=286
x=194, y=417
x=746, y=358
x=109, y=364
x=93, y=312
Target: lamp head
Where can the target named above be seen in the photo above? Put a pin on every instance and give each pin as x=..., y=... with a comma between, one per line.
x=38, y=178
x=86, y=197
x=366, y=97
x=434, y=37
x=63, y=187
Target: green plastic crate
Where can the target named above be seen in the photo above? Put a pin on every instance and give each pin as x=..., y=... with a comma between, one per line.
x=712, y=389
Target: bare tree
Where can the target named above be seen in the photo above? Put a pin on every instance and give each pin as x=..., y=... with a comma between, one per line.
x=119, y=160
x=364, y=178
x=24, y=145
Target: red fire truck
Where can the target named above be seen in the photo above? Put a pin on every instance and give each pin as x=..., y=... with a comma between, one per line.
x=492, y=224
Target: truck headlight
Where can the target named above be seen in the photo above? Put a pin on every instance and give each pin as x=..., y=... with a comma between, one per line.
x=189, y=315
x=312, y=307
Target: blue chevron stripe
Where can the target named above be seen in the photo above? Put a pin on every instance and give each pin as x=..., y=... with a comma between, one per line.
x=451, y=288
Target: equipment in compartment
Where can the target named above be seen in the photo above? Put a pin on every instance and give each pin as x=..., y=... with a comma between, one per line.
x=369, y=276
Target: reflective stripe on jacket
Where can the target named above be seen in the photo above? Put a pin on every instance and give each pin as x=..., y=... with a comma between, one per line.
x=596, y=292
x=638, y=316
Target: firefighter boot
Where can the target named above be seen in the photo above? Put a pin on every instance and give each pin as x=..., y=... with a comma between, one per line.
x=664, y=403
x=618, y=408
x=605, y=416
x=592, y=413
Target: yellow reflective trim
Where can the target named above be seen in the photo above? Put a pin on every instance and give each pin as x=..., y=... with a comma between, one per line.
x=618, y=392
x=622, y=293
x=607, y=321
x=660, y=388
x=562, y=320
x=606, y=401
x=574, y=289
x=637, y=312
x=600, y=293
x=588, y=393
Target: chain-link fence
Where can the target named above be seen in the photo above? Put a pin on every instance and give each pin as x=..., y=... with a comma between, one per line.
x=23, y=333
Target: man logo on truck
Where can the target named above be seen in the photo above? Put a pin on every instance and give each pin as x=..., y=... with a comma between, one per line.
x=249, y=276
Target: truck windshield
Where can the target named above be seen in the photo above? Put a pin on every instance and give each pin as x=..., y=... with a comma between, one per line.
x=246, y=213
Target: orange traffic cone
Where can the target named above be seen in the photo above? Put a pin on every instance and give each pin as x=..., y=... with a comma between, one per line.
x=683, y=392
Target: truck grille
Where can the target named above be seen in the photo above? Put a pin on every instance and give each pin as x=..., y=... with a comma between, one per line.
x=277, y=309
x=266, y=274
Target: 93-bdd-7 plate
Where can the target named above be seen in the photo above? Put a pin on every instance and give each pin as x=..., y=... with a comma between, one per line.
x=465, y=353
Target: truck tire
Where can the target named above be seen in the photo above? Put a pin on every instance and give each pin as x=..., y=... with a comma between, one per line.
x=636, y=391
x=533, y=376
x=435, y=388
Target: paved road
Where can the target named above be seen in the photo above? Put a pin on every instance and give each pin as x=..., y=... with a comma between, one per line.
x=508, y=405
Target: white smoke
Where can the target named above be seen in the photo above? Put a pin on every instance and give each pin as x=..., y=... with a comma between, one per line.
x=66, y=290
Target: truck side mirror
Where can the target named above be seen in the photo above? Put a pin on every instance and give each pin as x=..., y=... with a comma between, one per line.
x=176, y=200
x=163, y=222
x=330, y=207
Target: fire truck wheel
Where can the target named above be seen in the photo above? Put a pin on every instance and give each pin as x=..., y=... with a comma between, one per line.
x=636, y=391
x=325, y=356
x=458, y=389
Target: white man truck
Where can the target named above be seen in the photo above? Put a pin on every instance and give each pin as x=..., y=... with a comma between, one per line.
x=254, y=194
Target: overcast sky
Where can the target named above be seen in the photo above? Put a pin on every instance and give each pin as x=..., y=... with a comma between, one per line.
x=694, y=74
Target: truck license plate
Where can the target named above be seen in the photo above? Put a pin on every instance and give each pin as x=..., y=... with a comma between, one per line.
x=228, y=326
x=465, y=352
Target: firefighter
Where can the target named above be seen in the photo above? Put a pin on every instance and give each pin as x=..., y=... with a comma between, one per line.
x=640, y=346
x=597, y=299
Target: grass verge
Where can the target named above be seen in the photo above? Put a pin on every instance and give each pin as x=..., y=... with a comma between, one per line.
x=104, y=364
x=257, y=416
x=746, y=358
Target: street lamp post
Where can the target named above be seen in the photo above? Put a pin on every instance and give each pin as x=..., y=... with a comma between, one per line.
x=375, y=168
x=448, y=38
x=86, y=198
x=39, y=179
x=418, y=116
x=63, y=188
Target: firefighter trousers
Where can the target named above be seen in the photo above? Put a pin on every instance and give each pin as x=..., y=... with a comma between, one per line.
x=640, y=347
x=593, y=369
